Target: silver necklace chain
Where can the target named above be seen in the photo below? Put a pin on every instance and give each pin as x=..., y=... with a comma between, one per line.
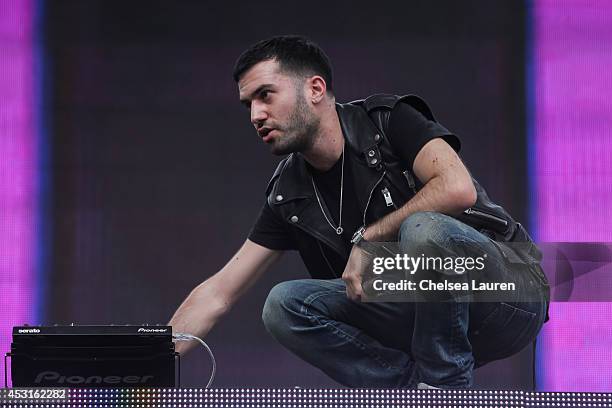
x=339, y=228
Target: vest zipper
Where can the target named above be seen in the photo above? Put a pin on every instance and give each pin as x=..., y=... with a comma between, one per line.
x=370, y=197
x=388, y=199
x=410, y=180
x=489, y=217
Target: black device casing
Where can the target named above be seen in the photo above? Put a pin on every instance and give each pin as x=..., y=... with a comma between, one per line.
x=92, y=356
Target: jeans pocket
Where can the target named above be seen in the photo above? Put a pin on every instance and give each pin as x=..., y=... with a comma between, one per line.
x=504, y=332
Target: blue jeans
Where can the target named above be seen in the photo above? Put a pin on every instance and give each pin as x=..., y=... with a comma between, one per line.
x=399, y=344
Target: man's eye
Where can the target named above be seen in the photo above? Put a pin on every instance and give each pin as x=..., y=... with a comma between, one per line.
x=264, y=94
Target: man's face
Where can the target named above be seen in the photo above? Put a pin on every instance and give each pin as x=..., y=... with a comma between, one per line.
x=279, y=110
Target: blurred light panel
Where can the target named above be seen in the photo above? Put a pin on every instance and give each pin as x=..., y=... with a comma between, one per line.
x=18, y=168
x=572, y=175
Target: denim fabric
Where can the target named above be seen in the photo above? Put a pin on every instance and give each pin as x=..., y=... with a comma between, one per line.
x=400, y=344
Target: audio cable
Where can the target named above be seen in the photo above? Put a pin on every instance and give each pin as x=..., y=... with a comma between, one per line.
x=189, y=337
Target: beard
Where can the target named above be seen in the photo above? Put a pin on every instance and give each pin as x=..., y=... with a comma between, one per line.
x=299, y=134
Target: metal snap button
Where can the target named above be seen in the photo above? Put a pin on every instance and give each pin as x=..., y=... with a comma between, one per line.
x=376, y=137
x=371, y=153
x=279, y=198
x=374, y=161
x=294, y=219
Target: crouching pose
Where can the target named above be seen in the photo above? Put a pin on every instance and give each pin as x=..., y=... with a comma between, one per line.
x=381, y=169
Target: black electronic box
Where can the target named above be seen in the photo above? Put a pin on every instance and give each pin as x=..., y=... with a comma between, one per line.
x=92, y=356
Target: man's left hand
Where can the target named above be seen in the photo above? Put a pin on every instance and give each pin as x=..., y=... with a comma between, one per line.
x=353, y=272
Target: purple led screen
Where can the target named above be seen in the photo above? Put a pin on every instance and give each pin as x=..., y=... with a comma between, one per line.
x=18, y=163
x=572, y=165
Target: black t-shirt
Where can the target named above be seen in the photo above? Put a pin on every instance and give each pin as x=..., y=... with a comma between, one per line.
x=408, y=132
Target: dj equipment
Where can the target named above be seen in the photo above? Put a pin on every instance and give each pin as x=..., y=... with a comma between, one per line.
x=92, y=356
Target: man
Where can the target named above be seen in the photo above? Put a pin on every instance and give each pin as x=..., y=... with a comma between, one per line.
x=376, y=170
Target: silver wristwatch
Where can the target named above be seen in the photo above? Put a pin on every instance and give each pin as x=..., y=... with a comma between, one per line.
x=358, y=237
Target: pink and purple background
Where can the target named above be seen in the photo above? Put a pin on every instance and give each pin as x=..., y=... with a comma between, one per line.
x=571, y=162
x=570, y=171
x=18, y=168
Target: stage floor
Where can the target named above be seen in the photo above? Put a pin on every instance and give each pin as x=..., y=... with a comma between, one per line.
x=293, y=398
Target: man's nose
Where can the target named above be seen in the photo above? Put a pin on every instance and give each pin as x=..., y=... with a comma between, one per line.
x=258, y=114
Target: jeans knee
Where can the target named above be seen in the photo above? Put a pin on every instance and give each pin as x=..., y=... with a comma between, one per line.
x=278, y=303
x=422, y=230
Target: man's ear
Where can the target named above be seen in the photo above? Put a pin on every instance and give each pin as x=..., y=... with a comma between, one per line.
x=317, y=88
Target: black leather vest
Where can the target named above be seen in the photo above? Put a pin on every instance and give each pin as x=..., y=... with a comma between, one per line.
x=375, y=168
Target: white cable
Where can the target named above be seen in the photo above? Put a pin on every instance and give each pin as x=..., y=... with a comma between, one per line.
x=189, y=337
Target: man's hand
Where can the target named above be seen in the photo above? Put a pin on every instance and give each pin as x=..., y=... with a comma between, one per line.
x=353, y=272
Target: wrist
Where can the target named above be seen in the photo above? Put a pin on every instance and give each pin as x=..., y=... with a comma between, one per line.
x=364, y=234
x=369, y=234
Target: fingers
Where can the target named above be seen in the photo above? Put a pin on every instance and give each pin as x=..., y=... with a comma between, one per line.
x=352, y=274
x=353, y=286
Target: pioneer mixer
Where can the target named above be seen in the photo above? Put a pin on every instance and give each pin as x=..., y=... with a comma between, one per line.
x=92, y=356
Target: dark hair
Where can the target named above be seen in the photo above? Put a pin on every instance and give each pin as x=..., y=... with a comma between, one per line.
x=294, y=53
